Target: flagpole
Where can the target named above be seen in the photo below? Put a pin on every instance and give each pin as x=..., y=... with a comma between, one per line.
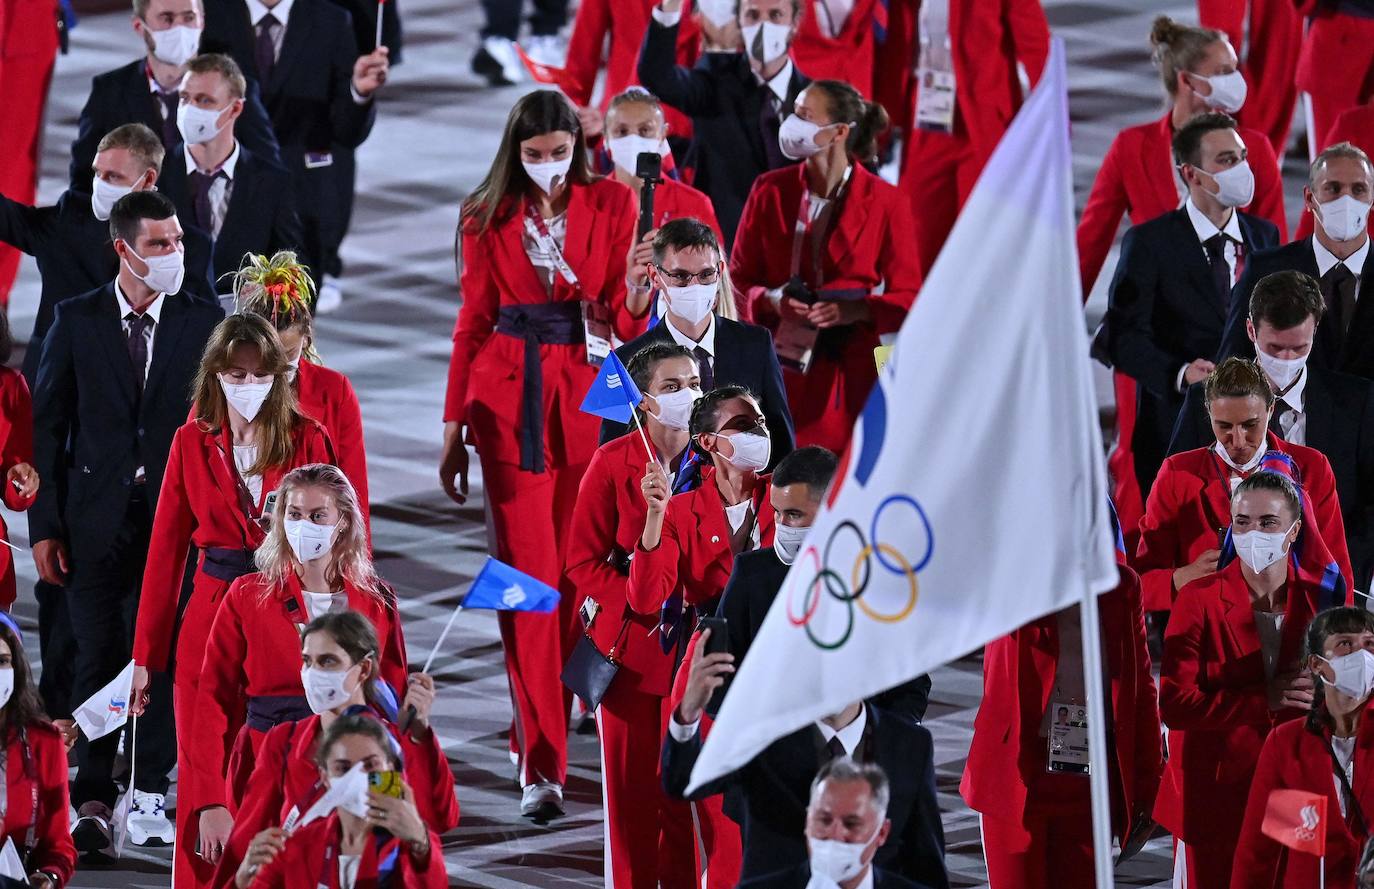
x=442, y=636
x=1097, y=740
x=378, y=44
x=648, y=448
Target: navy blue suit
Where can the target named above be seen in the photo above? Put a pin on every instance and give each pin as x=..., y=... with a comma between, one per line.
x=799, y=876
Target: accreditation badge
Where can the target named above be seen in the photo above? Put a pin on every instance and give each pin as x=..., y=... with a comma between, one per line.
x=596, y=328
x=935, y=99
x=1068, y=739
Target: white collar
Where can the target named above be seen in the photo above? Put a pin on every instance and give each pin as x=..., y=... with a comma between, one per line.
x=1293, y=397
x=227, y=168
x=778, y=83
x=281, y=12
x=124, y=306
x=1220, y=450
x=708, y=339
x=1326, y=259
x=1206, y=229
x=850, y=735
x=156, y=88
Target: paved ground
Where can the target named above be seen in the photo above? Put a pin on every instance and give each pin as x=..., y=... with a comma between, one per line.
x=435, y=135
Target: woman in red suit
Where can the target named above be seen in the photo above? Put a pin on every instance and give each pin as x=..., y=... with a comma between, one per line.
x=1232, y=672
x=649, y=837
x=16, y=453
x=35, y=777
x=1298, y=755
x=372, y=838
x=1274, y=29
x=1336, y=63
x=314, y=561
x=246, y=434
x=831, y=45
x=850, y=272
x=279, y=289
x=544, y=243
x=284, y=781
x=1189, y=507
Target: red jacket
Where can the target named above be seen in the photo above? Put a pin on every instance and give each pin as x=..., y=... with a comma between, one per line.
x=693, y=553
x=1138, y=177
x=1294, y=758
x=870, y=245
x=285, y=779
x=52, y=839
x=199, y=505
x=302, y=862
x=1213, y=699
x=486, y=373
x=16, y=446
x=327, y=396
x=254, y=649
x=1007, y=756
x=1189, y=509
x=848, y=56
x=674, y=199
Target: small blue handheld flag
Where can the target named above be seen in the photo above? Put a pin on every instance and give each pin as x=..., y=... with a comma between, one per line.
x=499, y=586
x=613, y=395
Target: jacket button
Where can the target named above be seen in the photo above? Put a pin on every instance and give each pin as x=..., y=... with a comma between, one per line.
x=126, y=481
x=715, y=539
x=140, y=432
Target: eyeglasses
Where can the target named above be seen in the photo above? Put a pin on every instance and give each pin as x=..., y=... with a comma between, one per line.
x=682, y=278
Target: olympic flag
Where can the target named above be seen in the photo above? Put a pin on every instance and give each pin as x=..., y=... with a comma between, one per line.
x=973, y=496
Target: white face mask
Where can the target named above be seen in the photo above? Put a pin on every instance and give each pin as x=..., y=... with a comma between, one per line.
x=325, y=689
x=675, y=408
x=1344, y=218
x=787, y=541
x=766, y=42
x=1282, y=371
x=625, y=150
x=1260, y=549
x=1354, y=673
x=198, y=125
x=797, y=138
x=693, y=302
x=104, y=195
x=1220, y=450
x=177, y=45
x=246, y=398
x=6, y=685
x=308, y=540
x=837, y=860
x=1228, y=91
x=1235, y=186
x=751, y=451
x=546, y=174
x=165, y=273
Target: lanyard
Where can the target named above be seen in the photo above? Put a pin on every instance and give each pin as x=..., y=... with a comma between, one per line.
x=245, y=497
x=803, y=227
x=537, y=229
x=30, y=834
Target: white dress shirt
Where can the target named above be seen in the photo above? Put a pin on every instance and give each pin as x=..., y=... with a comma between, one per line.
x=244, y=458
x=778, y=84
x=708, y=339
x=221, y=190
x=850, y=735
x=153, y=311
x=281, y=12
x=1355, y=262
x=1206, y=230
x=1294, y=422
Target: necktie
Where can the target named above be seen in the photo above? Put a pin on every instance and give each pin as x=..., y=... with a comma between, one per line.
x=201, y=184
x=1221, y=272
x=834, y=748
x=1275, y=422
x=138, y=345
x=708, y=374
x=769, y=122
x=170, y=134
x=1338, y=286
x=265, y=53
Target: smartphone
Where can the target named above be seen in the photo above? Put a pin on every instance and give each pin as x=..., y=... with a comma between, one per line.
x=269, y=503
x=719, y=641
x=385, y=783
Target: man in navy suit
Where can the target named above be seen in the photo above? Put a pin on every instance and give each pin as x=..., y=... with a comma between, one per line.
x=147, y=90
x=1340, y=188
x=1168, y=300
x=243, y=203
x=114, y=384
x=729, y=353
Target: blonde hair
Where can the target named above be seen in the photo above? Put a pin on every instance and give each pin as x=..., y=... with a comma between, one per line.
x=279, y=289
x=1179, y=47
x=350, y=562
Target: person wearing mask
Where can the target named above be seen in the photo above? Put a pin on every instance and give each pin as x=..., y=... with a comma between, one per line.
x=20, y=479
x=851, y=273
x=687, y=267
x=241, y=202
x=1339, y=192
x=148, y=90
x=1323, y=409
x=1172, y=286
x=284, y=781
x=1189, y=508
x=279, y=288
x=649, y=836
x=1271, y=32
x=245, y=434
x=375, y=837
x=846, y=824
x=70, y=240
x=736, y=100
x=1303, y=755
x=1232, y=672
x=543, y=241
x=1336, y=61
x=113, y=383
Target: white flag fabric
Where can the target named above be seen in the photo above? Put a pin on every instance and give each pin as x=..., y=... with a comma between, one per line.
x=107, y=709
x=973, y=498
x=11, y=865
x=349, y=791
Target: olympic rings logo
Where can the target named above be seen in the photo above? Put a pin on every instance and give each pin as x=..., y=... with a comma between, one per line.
x=847, y=537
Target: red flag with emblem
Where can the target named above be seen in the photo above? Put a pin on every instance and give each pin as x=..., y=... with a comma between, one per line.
x=1297, y=819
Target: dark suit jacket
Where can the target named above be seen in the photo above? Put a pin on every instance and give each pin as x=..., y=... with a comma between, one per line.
x=364, y=15
x=799, y=876
x=1358, y=355
x=92, y=429
x=776, y=786
x=744, y=357
x=754, y=583
x=1340, y=424
x=75, y=256
x=261, y=217
x=122, y=96
x=1163, y=312
x=724, y=100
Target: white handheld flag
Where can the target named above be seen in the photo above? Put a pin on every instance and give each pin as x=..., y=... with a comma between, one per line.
x=973, y=496
x=107, y=709
x=11, y=865
x=351, y=787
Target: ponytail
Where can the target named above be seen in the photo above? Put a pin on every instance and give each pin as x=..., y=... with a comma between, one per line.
x=867, y=120
x=1179, y=47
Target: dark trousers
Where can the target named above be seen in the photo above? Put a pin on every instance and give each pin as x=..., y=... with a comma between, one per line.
x=55, y=646
x=102, y=602
x=503, y=17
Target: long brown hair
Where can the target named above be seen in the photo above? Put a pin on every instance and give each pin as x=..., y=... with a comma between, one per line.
x=535, y=114
x=279, y=416
x=351, y=562
x=24, y=708
x=868, y=120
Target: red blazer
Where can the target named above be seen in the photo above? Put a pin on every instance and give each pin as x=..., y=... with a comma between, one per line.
x=16, y=446
x=870, y=245
x=674, y=199
x=1213, y=699
x=199, y=505
x=327, y=396
x=694, y=552
x=1190, y=507
x=254, y=649
x=486, y=373
x=1007, y=756
x=53, y=850
x=1138, y=177
x=1295, y=759
x=302, y=863
x=285, y=779
x=848, y=56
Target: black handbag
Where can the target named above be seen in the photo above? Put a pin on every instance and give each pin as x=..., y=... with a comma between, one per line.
x=588, y=672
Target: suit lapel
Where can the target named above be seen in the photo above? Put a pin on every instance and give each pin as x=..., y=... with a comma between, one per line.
x=221, y=450
x=517, y=262
x=146, y=111
x=116, y=344
x=242, y=199
x=292, y=46
x=752, y=98
x=577, y=242
x=1197, y=264
x=1239, y=616
x=166, y=338
x=712, y=527
x=1318, y=407
x=850, y=216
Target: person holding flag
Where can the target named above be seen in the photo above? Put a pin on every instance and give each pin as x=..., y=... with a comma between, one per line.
x=1316, y=769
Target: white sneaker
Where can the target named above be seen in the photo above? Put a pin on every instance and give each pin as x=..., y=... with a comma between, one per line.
x=497, y=61
x=546, y=49
x=330, y=296
x=542, y=801
x=147, y=822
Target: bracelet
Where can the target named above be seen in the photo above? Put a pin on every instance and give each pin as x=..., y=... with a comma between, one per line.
x=420, y=849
